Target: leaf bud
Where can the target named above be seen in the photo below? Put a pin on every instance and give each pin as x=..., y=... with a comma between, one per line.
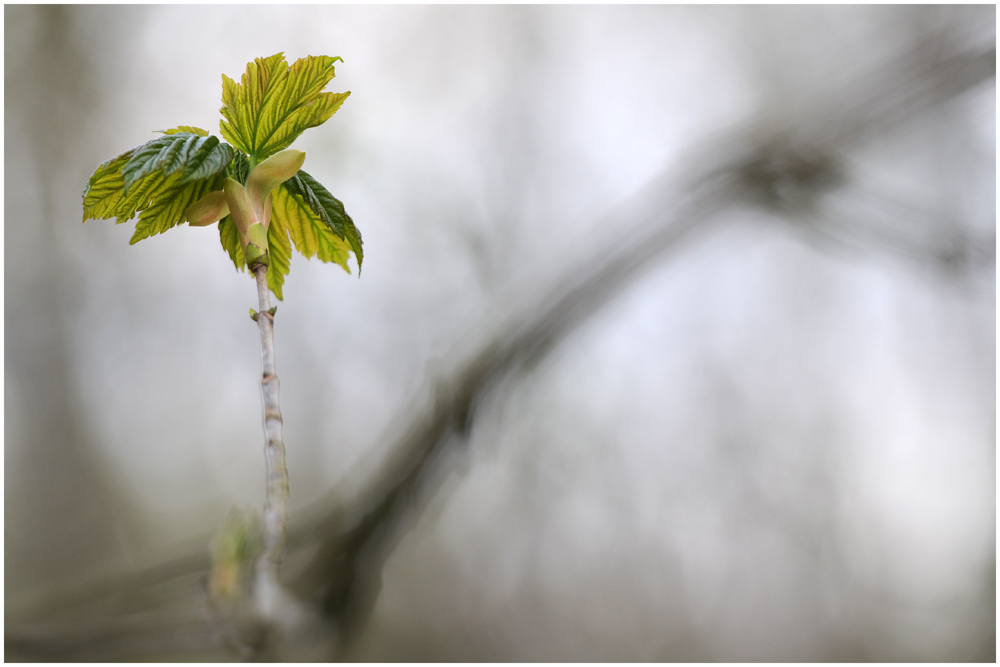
x=210, y=208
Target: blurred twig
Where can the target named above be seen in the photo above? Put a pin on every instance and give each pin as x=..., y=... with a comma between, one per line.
x=782, y=172
x=783, y=167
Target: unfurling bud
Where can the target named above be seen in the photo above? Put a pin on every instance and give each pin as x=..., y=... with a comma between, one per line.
x=210, y=208
x=240, y=207
x=255, y=248
x=274, y=171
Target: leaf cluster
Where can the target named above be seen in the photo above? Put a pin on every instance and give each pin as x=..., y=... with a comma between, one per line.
x=262, y=115
x=274, y=103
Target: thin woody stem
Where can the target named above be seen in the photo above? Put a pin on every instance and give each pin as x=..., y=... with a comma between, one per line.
x=275, y=508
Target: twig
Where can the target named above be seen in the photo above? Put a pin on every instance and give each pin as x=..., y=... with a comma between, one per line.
x=275, y=508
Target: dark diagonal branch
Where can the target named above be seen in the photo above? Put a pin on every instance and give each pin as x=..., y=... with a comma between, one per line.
x=781, y=173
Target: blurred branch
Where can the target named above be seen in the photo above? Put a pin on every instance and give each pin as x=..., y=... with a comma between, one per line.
x=119, y=636
x=783, y=163
x=780, y=173
x=356, y=538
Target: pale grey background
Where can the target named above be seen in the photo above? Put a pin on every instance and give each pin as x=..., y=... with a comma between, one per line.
x=763, y=449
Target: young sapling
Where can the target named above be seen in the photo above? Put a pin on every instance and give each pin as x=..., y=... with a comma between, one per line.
x=253, y=186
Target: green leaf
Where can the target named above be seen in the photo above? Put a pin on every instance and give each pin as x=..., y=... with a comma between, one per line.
x=239, y=168
x=262, y=115
x=230, y=238
x=141, y=196
x=279, y=257
x=328, y=208
x=193, y=156
x=312, y=237
x=168, y=206
x=158, y=180
x=206, y=165
x=274, y=103
x=104, y=191
x=104, y=196
x=186, y=128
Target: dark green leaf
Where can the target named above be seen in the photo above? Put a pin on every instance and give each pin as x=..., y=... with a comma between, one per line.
x=206, y=165
x=239, y=168
x=192, y=156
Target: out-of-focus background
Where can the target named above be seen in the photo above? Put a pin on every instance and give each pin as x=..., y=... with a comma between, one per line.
x=775, y=440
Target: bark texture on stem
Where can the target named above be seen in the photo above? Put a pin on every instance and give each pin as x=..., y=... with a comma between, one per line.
x=275, y=508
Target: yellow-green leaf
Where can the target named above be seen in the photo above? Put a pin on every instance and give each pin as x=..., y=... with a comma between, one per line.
x=104, y=191
x=186, y=128
x=159, y=180
x=229, y=236
x=329, y=209
x=274, y=103
x=279, y=256
x=168, y=208
x=142, y=194
x=312, y=237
